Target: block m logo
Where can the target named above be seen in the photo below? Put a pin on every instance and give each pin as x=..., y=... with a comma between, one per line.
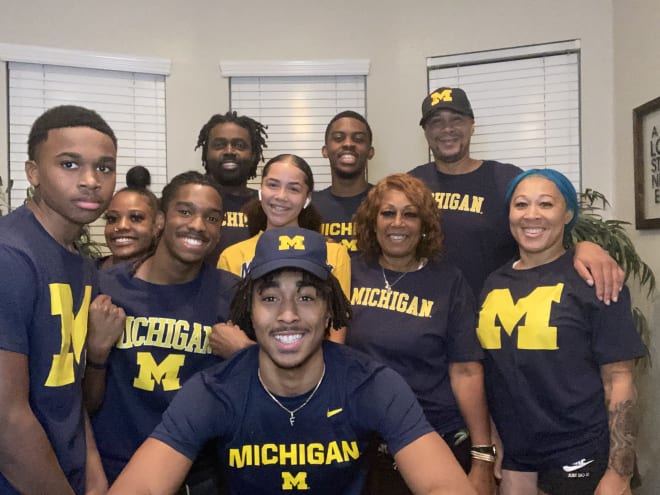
x=536, y=332
x=444, y=95
x=297, y=482
x=296, y=242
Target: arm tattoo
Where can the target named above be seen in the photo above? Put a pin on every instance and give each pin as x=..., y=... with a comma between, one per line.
x=623, y=423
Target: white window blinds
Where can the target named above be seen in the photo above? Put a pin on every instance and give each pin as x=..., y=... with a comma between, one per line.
x=526, y=103
x=132, y=103
x=297, y=105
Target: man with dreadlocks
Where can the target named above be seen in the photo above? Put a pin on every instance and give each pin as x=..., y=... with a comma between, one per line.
x=232, y=147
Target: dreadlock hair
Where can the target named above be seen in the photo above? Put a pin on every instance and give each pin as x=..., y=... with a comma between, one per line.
x=169, y=193
x=308, y=218
x=338, y=305
x=256, y=130
x=65, y=116
x=349, y=114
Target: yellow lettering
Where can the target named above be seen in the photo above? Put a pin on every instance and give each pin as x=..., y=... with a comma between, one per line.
x=156, y=333
x=333, y=454
x=465, y=203
x=350, y=450
x=358, y=296
x=444, y=95
x=412, y=307
x=402, y=303
x=315, y=453
x=166, y=373
x=425, y=310
x=269, y=454
x=299, y=481
x=477, y=201
x=240, y=459
x=385, y=297
x=181, y=327
x=373, y=294
x=198, y=341
x=288, y=455
x=73, y=331
x=535, y=334
x=296, y=242
x=350, y=244
x=137, y=339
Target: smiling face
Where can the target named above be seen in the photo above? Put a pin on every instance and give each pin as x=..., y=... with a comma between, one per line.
x=229, y=155
x=290, y=318
x=448, y=134
x=74, y=176
x=131, y=225
x=192, y=223
x=398, y=227
x=284, y=191
x=348, y=148
x=537, y=217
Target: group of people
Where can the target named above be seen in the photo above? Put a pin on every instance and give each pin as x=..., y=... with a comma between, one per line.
x=451, y=287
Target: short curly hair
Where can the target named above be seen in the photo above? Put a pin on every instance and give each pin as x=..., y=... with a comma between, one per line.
x=431, y=243
x=65, y=116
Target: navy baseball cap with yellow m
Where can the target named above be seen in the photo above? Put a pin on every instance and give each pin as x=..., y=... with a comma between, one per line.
x=290, y=247
x=446, y=98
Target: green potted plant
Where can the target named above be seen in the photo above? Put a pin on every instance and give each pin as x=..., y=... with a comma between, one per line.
x=4, y=203
x=612, y=236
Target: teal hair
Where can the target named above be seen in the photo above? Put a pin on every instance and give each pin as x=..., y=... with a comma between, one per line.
x=564, y=186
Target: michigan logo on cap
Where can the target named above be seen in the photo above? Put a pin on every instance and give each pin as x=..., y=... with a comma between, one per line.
x=295, y=242
x=444, y=95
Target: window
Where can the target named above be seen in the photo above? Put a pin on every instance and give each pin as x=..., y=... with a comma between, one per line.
x=128, y=93
x=526, y=103
x=296, y=100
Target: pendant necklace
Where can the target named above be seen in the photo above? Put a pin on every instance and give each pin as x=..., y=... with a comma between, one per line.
x=292, y=412
x=388, y=285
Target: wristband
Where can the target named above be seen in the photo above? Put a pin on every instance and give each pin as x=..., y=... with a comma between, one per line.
x=486, y=453
x=482, y=457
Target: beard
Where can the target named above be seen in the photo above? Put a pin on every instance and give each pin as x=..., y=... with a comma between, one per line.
x=234, y=177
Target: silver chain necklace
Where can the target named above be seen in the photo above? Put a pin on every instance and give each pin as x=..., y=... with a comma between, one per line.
x=388, y=285
x=292, y=413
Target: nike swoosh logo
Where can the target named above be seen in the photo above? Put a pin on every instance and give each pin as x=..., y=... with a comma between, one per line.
x=577, y=465
x=334, y=412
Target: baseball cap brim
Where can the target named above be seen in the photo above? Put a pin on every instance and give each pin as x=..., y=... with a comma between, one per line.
x=270, y=266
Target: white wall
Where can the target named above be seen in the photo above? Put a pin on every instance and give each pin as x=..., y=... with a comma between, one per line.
x=637, y=80
x=617, y=49
x=197, y=34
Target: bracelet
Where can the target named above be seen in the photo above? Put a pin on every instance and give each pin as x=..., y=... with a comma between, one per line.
x=482, y=457
x=96, y=366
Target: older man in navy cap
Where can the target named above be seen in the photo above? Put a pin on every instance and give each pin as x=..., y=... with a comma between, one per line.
x=470, y=193
x=294, y=412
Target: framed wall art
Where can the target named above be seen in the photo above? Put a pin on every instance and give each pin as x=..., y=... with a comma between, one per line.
x=646, y=145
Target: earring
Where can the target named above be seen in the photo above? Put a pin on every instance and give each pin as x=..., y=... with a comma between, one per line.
x=259, y=194
x=307, y=202
x=423, y=236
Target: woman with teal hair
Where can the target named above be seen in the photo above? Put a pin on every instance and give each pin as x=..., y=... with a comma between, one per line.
x=558, y=362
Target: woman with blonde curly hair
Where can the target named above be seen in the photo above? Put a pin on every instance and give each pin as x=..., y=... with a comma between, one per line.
x=416, y=313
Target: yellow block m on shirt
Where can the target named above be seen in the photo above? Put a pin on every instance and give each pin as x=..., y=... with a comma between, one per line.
x=535, y=333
